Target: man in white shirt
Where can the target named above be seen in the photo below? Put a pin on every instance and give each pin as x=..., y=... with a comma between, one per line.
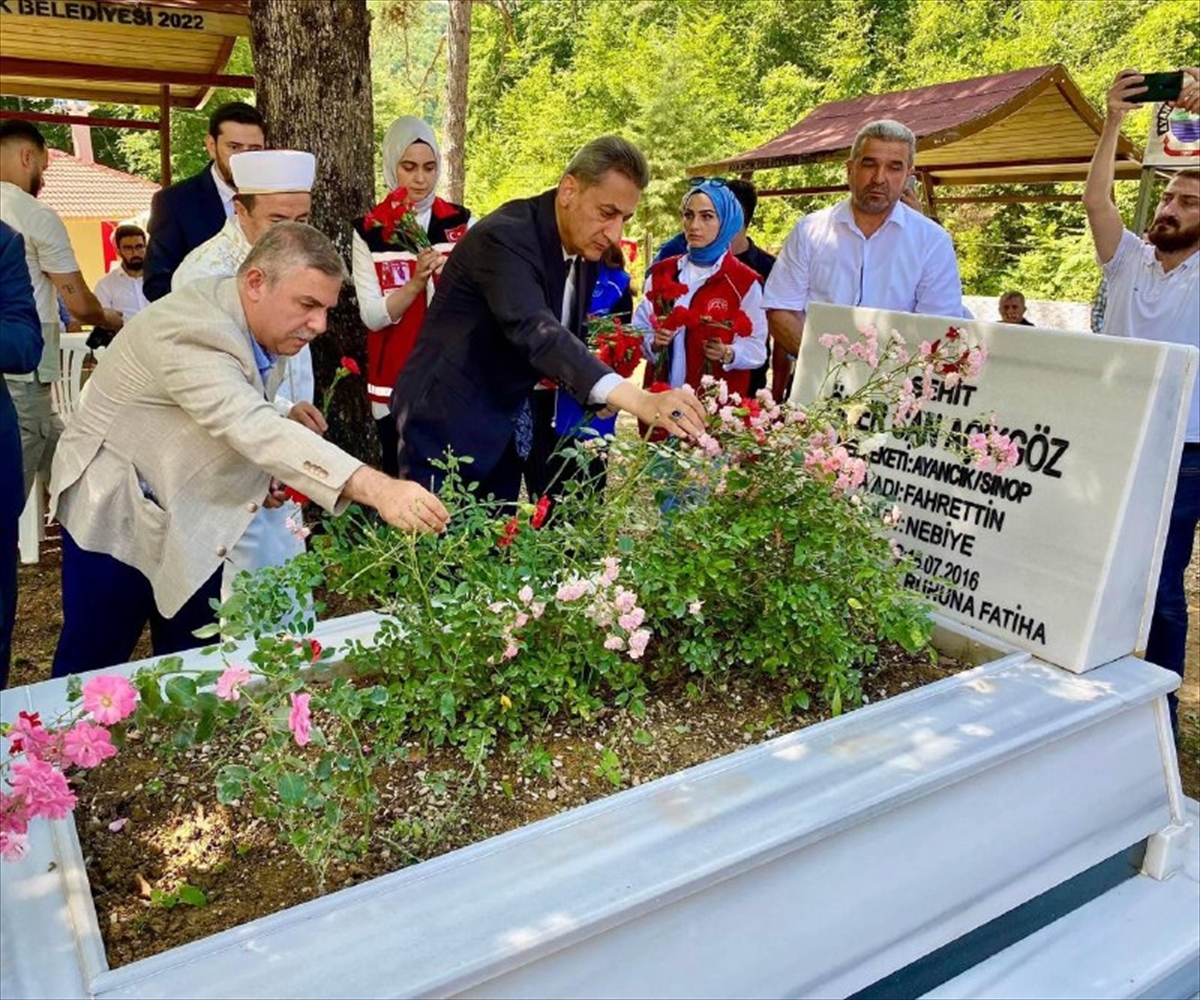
x=870, y=250
x=273, y=186
x=54, y=272
x=1154, y=294
x=121, y=289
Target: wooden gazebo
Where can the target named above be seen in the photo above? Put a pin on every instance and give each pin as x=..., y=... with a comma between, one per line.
x=169, y=54
x=1031, y=126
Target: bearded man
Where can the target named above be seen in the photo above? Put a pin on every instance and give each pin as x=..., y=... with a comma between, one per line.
x=121, y=289
x=1154, y=294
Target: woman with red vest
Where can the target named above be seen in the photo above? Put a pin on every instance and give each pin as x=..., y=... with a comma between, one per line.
x=703, y=310
x=393, y=284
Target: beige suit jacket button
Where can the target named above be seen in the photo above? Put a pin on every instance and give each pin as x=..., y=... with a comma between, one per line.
x=221, y=550
x=252, y=507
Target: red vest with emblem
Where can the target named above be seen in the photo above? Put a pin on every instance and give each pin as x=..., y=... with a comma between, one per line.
x=388, y=348
x=721, y=293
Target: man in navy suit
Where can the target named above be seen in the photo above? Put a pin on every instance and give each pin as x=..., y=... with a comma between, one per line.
x=187, y=214
x=20, y=351
x=500, y=321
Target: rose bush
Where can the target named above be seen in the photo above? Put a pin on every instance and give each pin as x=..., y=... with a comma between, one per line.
x=756, y=549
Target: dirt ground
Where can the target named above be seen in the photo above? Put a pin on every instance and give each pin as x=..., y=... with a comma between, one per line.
x=39, y=619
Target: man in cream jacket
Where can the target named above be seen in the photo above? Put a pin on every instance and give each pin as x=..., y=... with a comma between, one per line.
x=177, y=445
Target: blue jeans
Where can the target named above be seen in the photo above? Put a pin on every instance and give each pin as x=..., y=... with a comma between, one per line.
x=1167, y=645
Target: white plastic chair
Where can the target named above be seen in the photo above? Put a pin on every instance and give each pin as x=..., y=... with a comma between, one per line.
x=64, y=396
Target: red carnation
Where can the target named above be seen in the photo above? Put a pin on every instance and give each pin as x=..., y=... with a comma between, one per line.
x=540, y=513
x=351, y=365
x=511, y=528
x=679, y=316
x=293, y=494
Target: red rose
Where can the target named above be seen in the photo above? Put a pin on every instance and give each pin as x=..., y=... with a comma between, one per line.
x=314, y=649
x=351, y=365
x=540, y=513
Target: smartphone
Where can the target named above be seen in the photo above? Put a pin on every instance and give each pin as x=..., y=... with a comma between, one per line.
x=911, y=183
x=1159, y=87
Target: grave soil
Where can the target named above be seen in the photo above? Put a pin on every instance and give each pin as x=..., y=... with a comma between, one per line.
x=176, y=833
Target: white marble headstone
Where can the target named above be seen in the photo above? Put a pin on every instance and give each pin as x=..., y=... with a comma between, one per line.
x=1059, y=554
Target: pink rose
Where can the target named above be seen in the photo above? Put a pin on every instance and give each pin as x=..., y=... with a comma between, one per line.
x=109, y=698
x=299, y=720
x=86, y=745
x=43, y=788
x=638, y=642
x=229, y=684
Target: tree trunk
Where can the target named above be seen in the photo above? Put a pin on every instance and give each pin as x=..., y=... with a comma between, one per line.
x=458, y=58
x=312, y=67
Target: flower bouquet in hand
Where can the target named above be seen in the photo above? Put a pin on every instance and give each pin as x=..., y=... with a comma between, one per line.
x=396, y=217
x=618, y=347
x=724, y=325
x=615, y=345
x=668, y=316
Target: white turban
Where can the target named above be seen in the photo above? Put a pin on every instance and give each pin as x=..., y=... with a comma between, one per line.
x=402, y=134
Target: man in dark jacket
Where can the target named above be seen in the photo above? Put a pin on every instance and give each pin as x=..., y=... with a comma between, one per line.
x=500, y=320
x=187, y=214
x=20, y=351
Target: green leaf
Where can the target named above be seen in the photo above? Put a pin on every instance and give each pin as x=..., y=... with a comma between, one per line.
x=446, y=706
x=181, y=691
x=231, y=783
x=643, y=737
x=192, y=895
x=164, y=899
x=855, y=603
x=292, y=789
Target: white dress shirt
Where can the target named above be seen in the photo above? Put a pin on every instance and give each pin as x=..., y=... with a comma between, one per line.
x=225, y=190
x=122, y=292
x=907, y=265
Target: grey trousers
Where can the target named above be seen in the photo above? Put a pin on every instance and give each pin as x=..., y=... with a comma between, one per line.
x=40, y=428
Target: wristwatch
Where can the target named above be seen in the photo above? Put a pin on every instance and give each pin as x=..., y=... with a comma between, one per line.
x=727, y=357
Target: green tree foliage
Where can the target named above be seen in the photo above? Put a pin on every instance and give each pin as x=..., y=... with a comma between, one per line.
x=701, y=80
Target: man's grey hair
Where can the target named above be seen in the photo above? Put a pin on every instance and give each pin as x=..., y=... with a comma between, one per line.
x=288, y=245
x=885, y=130
x=609, y=152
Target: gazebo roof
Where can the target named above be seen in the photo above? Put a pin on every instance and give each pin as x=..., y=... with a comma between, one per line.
x=79, y=190
x=120, y=51
x=1025, y=127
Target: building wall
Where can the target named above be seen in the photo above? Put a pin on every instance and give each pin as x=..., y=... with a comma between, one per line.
x=88, y=243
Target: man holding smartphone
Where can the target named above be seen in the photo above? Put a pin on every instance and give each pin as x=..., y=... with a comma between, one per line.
x=1154, y=294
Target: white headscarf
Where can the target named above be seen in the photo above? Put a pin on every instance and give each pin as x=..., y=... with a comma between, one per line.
x=402, y=134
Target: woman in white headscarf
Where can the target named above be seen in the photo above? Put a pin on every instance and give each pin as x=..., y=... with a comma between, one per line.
x=393, y=283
